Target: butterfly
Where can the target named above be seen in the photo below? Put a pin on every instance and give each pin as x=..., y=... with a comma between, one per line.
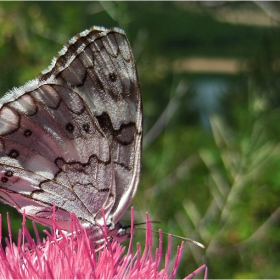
x=72, y=137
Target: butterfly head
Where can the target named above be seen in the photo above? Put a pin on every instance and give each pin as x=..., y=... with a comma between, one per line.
x=120, y=233
x=116, y=231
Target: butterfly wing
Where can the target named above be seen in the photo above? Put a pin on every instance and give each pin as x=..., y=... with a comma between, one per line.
x=73, y=135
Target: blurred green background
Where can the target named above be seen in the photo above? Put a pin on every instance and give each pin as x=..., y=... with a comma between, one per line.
x=209, y=73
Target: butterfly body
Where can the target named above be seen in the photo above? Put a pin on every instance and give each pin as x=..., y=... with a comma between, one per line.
x=73, y=136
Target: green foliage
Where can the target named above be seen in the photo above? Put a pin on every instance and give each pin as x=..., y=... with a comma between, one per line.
x=211, y=175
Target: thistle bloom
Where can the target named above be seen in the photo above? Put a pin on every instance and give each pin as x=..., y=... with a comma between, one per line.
x=69, y=256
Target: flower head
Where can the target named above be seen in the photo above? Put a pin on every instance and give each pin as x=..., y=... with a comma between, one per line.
x=73, y=255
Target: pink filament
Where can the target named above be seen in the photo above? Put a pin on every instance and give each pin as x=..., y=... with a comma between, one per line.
x=72, y=256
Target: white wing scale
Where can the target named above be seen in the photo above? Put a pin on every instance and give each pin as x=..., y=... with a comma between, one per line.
x=73, y=135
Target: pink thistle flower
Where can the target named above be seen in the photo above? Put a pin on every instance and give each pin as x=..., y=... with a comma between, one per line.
x=72, y=256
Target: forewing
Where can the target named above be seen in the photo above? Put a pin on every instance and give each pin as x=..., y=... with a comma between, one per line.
x=107, y=80
x=73, y=136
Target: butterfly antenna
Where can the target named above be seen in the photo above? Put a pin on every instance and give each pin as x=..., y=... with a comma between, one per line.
x=177, y=236
x=123, y=226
